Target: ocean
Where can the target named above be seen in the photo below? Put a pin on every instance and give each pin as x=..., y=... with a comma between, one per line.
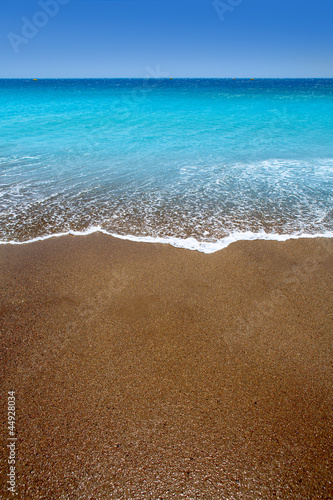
x=197, y=163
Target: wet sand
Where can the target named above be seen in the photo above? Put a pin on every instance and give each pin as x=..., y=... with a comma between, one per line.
x=142, y=371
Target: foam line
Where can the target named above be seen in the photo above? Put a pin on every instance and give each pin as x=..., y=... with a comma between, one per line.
x=188, y=243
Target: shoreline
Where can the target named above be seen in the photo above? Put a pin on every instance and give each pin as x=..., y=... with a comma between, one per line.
x=143, y=371
x=190, y=243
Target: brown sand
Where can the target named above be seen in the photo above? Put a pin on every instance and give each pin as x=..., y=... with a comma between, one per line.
x=143, y=371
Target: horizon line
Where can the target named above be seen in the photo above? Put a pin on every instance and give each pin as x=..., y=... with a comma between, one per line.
x=167, y=78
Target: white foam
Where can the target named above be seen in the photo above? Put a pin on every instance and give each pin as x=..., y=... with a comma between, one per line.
x=186, y=243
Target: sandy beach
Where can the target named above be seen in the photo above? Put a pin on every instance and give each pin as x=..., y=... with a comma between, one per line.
x=142, y=371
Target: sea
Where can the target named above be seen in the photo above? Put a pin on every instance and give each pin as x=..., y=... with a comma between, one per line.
x=195, y=163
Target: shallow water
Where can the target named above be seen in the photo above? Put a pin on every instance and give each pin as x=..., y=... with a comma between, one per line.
x=197, y=163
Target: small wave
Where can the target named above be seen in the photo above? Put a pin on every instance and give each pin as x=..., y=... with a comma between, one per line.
x=185, y=243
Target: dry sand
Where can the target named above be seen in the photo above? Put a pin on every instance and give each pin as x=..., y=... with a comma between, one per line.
x=142, y=371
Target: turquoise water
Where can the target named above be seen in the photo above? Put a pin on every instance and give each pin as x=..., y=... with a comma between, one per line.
x=196, y=163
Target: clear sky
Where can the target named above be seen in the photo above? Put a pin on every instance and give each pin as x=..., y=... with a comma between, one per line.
x=178, y=38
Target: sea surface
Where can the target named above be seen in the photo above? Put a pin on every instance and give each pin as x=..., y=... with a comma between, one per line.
x=197, y=163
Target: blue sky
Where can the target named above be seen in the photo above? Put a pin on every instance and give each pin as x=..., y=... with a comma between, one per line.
x=178, y=38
